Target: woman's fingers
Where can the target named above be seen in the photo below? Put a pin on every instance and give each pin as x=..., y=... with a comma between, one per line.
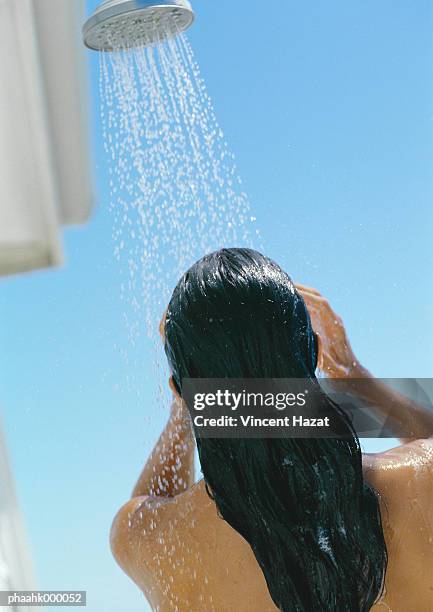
x=316, y=318
x=302, y=288
x=324, y=320
x=315, y=298
x=311, y=301
x=162, y=324
x=317, y=304
x=309, y=294
x=318, y=301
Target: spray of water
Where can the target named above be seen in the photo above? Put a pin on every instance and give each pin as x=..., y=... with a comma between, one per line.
x=175, y=195
x=175, y=190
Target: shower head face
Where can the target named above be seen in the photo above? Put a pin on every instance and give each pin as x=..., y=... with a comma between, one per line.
x=124, y=24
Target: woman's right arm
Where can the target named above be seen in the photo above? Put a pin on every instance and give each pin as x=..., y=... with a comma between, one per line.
x=337, y=360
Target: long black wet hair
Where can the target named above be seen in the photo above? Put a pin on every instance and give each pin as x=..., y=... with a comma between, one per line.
x=311, y=520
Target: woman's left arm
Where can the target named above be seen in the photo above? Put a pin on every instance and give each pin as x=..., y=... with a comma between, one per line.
x=169, y=469
x=168, y=472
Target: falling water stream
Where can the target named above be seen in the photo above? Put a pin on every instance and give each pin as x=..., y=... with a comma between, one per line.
x=175, y=190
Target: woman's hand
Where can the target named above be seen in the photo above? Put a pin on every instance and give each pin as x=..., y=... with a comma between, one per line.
x=336, y=357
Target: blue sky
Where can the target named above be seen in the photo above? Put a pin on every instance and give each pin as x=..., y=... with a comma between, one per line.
x=328, y=108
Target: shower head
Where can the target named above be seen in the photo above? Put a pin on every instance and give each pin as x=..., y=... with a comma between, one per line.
x=119, y=24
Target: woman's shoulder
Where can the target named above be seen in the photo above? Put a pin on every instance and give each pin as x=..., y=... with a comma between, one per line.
x=416, y=454
x=402, y=472
x=143, y=522
x=150, y=534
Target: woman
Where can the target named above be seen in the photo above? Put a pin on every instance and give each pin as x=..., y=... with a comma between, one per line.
x=275, y=524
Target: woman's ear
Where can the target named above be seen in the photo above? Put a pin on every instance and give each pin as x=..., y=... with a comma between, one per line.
x=174, y=389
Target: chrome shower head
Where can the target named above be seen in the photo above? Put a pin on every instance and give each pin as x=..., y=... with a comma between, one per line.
x=118, y=24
